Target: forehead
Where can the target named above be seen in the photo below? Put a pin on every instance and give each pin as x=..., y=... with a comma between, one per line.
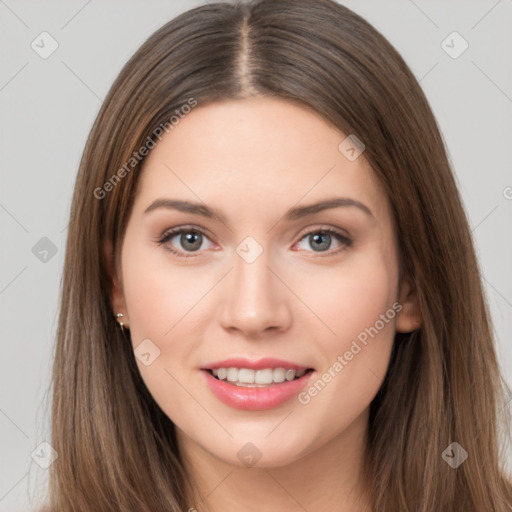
x=253, y=151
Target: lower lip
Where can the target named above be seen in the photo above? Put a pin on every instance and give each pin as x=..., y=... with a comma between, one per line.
x=255, y=399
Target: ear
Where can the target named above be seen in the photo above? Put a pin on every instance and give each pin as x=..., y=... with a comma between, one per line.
x=116, y=285
x=409, y=317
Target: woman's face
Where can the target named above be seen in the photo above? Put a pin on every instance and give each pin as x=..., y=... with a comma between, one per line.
x=261, y=280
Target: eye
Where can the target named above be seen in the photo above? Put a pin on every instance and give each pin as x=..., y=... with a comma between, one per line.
x=191, y=240
x=321, y=239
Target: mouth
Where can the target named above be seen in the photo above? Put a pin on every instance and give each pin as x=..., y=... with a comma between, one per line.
x=256, y=389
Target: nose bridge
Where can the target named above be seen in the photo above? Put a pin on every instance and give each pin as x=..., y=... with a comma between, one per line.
x=252, y=277
x=256, y=300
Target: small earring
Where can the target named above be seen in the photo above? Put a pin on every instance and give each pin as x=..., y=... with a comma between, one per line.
x=120, y=322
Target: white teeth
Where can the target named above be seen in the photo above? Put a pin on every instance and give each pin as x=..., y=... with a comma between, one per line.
x=232, y=374
x=279, y=374
x=290, y=374
x=256, y=378
x=264, y=376
x=247, y=376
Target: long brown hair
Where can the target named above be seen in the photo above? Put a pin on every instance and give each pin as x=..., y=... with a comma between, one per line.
x=117, y=450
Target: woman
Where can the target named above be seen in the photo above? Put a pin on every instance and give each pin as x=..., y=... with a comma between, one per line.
x=256, y=368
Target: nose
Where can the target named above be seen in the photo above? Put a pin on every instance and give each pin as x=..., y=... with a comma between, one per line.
x=256, y=300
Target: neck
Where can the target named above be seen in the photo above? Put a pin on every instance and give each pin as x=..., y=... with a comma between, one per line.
x=327, y=477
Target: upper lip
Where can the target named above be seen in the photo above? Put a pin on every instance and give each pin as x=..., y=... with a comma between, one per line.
x=260, y=364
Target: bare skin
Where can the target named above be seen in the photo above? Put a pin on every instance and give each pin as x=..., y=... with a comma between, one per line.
x=253, y=160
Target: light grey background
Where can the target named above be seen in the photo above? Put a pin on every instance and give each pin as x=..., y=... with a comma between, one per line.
x=47, y=109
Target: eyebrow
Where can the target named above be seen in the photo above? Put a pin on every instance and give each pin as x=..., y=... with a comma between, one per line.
x=292, y=214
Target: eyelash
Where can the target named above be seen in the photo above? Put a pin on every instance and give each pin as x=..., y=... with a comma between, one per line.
x=169, y=235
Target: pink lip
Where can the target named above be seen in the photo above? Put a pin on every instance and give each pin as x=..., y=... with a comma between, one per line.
x=255, y=399
x=267, y=362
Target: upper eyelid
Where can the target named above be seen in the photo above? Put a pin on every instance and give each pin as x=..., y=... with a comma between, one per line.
x=178, y=230
x=339, y=231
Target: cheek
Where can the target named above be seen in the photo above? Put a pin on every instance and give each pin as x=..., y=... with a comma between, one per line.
x=361, y=309
x=349, y=298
